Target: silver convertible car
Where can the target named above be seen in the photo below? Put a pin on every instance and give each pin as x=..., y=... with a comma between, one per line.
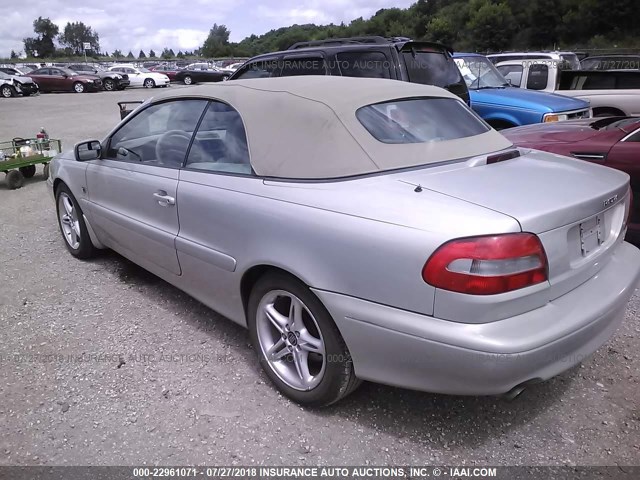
x=361, y=229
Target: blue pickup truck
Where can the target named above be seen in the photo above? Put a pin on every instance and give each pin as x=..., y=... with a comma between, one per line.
x=504, y=106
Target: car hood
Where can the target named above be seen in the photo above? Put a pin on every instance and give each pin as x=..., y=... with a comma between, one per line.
x=21, y=79
x=528, y=99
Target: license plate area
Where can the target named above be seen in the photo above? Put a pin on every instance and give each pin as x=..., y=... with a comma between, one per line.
x=591, y=235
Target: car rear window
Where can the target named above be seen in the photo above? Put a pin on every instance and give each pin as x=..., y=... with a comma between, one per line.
x=420, y=120
x=430, y=66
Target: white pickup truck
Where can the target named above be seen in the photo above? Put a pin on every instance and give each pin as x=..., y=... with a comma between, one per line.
x=612, y=92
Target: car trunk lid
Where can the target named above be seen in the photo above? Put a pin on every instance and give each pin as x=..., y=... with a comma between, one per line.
x=576, y=208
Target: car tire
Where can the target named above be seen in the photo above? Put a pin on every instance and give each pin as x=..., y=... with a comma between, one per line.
x=28, y=172
x=78, y=87
x=109, y=85
x=187, y=80
x=331, y=375
x=45, y=171
x=149, y=83
x=14, y=179
x=71, y=222
x=7, y=91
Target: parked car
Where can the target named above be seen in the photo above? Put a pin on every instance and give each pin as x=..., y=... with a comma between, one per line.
x=191, y=75
x=503, y=106
x=610, y=93
x=141, y=77
x=110, y=80
x=612, y=141
x=611, y=62
x=369, y=230
x=20, y=72
x=167, y=70
x=56, y=79
x=12, y=85
x=397, y=58
x=568, y=60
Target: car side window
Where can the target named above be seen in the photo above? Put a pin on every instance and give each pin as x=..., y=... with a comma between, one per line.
x=512, y=72
x=635, y=137
x=296, y=65
x=220, y=144
x=363, y=64
x=538, y=77
x=159, y=135
x=259, y=69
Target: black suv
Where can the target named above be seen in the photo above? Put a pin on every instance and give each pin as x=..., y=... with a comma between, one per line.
x=398, y=58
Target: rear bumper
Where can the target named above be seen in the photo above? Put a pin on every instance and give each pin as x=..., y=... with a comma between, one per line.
x=410, y=350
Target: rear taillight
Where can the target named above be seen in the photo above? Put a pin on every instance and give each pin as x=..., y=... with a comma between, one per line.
x=487, y=265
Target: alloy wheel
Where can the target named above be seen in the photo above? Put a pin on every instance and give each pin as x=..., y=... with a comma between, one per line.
x=68, y=216
x=291, y=340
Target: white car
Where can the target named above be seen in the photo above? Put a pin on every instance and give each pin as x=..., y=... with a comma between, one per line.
x=141, y=77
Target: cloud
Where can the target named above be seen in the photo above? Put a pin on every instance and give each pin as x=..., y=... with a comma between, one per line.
x=152, y=24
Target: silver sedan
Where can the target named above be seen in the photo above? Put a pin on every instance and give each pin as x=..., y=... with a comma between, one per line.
x=361, y=229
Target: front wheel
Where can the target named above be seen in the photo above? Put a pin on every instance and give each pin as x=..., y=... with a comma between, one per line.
x=71, y=222
x=14, y=179
x=78, y=87
x=187, y=80
x=7, y=91
x=149, y=83
x=297, y=342
x=109, y=85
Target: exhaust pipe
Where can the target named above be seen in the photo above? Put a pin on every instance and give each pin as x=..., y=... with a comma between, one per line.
x=516, y=391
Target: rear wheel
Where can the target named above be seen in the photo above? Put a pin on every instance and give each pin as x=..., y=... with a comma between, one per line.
x=28, y=172
x=297, y=343
x=149, y=83
x=187, y=80
x=78, y=87
x=7, y=91
x=71, y=222
x=14, y=179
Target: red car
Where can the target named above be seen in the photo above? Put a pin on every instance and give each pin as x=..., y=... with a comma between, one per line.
x=57, y=79
x=167, y=70
x=610, y=141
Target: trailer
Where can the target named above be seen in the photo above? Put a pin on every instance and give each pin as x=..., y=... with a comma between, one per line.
x=19, y=157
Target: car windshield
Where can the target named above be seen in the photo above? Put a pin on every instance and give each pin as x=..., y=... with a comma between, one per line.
x=68, y=71
x=4, y=76
x=420, y=120
x=479, y=72
x=143, y=70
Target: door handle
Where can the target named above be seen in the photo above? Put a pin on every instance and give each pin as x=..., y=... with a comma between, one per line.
x=164, y=199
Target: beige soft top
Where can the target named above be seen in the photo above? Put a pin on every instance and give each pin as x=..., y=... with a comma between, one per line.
x=306, y=126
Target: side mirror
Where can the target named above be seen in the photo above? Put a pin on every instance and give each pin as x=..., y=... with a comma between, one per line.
x=89, y=150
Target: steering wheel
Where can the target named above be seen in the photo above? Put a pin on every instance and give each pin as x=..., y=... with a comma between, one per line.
x=171, y=147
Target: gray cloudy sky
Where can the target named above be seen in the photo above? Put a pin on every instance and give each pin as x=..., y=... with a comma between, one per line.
x=178, y=24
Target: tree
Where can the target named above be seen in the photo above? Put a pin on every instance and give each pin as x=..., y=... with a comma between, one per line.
x=168, y=53
x=141, y=54
x=490, y=25
x=152, y=54
x=14, y=55
x=76, y=34
x=42, y=45
x=117, y=54
x=217, y=42
x=130, y=54
x=180, y=54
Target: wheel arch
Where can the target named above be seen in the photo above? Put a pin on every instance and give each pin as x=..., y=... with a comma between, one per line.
x=251, y=276
x=608, y=111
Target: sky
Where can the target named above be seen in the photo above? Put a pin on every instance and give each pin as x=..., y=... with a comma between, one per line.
x=177, y=24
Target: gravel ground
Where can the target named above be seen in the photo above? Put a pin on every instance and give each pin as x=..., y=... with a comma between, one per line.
x=103, y=363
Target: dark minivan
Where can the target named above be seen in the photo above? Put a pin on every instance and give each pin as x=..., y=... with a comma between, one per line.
x=398, y=58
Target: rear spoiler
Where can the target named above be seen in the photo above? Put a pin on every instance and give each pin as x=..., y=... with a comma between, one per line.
x=415, y=45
